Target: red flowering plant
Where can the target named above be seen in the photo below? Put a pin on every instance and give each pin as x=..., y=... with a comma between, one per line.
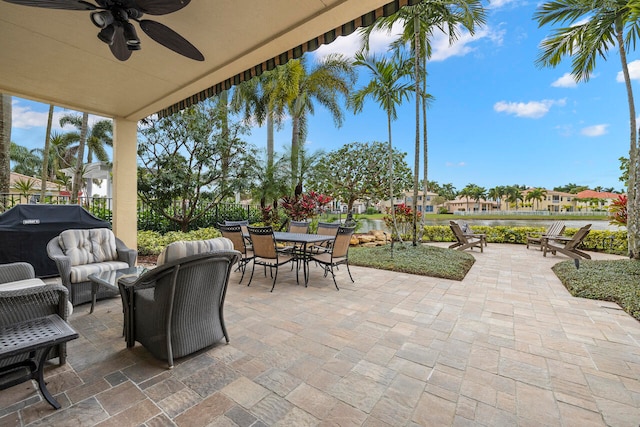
x=269, y=215
x=305, y=206
x=404, y=218
x=618, y=211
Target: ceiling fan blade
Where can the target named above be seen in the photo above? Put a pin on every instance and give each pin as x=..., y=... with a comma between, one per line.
x=119, y=45
x=170, y=39
x=161, y=7
x=56, y=4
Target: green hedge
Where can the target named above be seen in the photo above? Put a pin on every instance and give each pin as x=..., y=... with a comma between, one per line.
x=613, y=242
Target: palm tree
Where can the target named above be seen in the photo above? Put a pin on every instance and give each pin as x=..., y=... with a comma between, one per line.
x=388, y=89
x=589, y=30
x=94, y=138
x=537, y=194
x=419, y=23
x=264, y=99
x=331, y=77
x=45, y=154
x=496, y=194
x=478, y=193
x=513, y=194
x=26, y=162
x=5, y=142
x=473, y=192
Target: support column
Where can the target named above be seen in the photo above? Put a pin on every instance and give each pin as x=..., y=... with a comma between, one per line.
x=125, y=183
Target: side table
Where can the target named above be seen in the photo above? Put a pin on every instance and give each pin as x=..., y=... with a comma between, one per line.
x=33, y=336
x=109, y=279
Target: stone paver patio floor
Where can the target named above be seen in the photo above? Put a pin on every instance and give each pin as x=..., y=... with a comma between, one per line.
x=506, y=346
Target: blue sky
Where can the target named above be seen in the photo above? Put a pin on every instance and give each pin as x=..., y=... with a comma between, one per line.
x=497, y=119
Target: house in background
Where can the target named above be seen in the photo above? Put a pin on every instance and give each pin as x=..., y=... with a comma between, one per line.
x=591, y=200
x=467, y=204
x=553, y=201
x=26, y=189
x=431, y=205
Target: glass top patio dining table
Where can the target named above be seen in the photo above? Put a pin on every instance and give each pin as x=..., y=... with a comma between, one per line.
x=303, y=239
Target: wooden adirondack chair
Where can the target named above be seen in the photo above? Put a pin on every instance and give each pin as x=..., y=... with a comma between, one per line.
x=567, y=245
x=464, y=241
x=554, y=230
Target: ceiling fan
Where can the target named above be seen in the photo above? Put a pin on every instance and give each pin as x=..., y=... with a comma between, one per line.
x=114, y=17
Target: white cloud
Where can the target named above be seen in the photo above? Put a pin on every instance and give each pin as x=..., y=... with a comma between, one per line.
x=23, y=117
x=531, y=109
x=379, y=42
x=595, y=130
x=496, y=4
x=442, y=50
x=566, y=80
x=455, y=165
x=634, y=71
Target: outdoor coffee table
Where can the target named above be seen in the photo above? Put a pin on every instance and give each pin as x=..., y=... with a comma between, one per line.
x=34, y=336
x=109, y=279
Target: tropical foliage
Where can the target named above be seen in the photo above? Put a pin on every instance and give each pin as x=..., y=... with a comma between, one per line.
x=352, y=173
x=589, y=30
x=187, y=159
x=618, y=211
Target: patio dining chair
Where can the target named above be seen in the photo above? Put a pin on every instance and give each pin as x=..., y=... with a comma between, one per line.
x=235, y=234
x=337, y=255
x=301, y=227
x=242, y=223
x=266, y=253
x=324, y=229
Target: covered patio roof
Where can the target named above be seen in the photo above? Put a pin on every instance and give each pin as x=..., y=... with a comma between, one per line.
x=54, y=56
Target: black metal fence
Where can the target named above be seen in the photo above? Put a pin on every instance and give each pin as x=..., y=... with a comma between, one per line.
x=148, y=218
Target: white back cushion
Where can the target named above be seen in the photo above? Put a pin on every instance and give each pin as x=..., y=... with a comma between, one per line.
x=181, y=249
x=88, y=246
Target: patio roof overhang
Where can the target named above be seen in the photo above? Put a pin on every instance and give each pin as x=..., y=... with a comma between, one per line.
x=54, y=56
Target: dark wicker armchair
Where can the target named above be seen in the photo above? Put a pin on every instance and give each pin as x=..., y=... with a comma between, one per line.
x=177, y=309
x=23, y=297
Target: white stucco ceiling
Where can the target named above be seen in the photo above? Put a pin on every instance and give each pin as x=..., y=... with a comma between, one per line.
x=54, y=56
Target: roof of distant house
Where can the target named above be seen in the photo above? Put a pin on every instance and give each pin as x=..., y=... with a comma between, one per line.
x=591, y=194
x=15, y=176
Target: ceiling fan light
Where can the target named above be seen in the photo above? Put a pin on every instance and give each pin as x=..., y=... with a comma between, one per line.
x=130, y=35
x=102, y=19
x=134, y=47
x=106, y=34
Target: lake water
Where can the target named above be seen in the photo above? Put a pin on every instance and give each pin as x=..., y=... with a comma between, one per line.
x=378, y=224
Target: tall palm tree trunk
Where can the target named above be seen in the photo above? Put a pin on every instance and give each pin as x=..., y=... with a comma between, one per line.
x=77, y=176
x=270, y=138
x=633, y=193
x=45, y=156
x=295, y=153
x=393, y=208
x=416, y=160
x=425, y=157
x=5, y=142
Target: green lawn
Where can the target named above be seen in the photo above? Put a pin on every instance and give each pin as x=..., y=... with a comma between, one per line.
x=422, y=259
x=616, y=281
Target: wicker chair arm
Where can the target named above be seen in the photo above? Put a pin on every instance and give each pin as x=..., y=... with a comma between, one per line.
x=62, y=261
x=126, y=254
x=16, y=271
